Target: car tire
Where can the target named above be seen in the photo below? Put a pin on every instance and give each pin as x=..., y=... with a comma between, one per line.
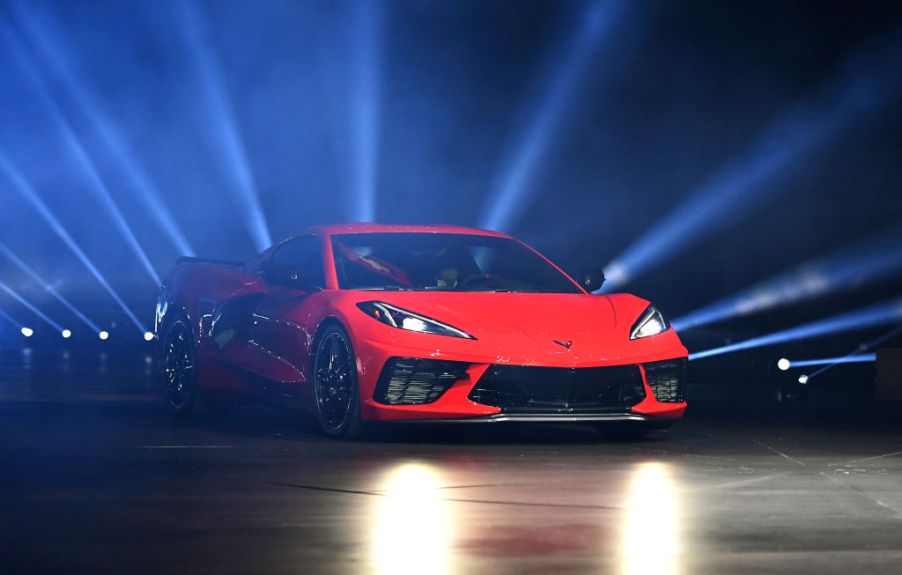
x=179, y=366
x=333, y=378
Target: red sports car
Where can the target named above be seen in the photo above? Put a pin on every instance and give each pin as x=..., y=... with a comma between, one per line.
x=363, y=323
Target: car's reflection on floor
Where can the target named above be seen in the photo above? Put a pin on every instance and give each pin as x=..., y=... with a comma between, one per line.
x=421, y=523
x=413, y=526
x=98, y=477
x=650, y=540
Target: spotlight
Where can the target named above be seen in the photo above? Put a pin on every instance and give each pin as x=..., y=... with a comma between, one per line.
x=25, y=189
x=857, y=352
x=365, y=107
x=10, y=319
x=48, y=287
x=30, y=306
x=66, y=333
x=868, y=261
x=831, y=361
x=518, y=172
x=104, y=335
x=861, y=85
x=98, y=186
x=27, y=331
x=888, y=312
x=148, y=336
x=225, y=134
x=54, y=54
x=783, y=364
x=803, y=379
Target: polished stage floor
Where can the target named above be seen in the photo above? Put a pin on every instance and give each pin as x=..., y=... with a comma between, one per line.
x=98, y=477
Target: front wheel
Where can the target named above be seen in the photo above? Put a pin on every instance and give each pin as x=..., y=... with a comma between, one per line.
x=336, y=398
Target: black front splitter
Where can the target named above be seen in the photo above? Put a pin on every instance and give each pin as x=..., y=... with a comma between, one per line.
x=540, y=418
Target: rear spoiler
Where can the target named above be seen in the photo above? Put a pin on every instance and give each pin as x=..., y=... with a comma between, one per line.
x=193, y=260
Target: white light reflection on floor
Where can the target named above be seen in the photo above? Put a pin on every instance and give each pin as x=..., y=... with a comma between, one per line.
x=651, y=530
x=412, y=529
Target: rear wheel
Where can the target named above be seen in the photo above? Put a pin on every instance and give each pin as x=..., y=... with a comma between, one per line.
x=336, y=398
x=180, y=367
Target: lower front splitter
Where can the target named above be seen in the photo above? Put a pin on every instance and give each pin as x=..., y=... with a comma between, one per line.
x=541, y=418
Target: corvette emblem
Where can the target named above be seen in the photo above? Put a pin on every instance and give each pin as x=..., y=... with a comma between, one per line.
x=564, y=344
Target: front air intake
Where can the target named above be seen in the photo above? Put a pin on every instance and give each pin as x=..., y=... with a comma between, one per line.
x=667, y=379
x=415, y=381
x=529, y=389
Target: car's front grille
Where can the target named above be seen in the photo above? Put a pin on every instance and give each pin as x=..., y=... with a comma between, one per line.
x=528, y=389
x=413, y=381
x=667, y=379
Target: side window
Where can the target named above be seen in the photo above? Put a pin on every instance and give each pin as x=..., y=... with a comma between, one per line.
x=305, y=255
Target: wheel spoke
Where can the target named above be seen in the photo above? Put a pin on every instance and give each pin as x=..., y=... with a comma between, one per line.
x=178, y=365
x=333, y=379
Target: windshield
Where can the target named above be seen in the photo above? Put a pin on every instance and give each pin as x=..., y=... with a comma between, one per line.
x=443, y=262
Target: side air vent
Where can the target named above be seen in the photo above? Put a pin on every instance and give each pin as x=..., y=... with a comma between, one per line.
x=414, y=381
x=667, y=379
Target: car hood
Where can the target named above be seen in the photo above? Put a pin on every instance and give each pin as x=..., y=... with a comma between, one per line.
x=526, y=328
x=539, y=315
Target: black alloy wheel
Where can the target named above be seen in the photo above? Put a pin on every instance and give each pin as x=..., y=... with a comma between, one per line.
x=335, y=394
x=180, y=367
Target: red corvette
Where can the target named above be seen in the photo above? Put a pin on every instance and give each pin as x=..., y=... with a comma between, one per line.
x=363, y=323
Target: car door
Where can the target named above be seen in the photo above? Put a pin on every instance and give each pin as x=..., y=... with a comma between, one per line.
x=282, y=326
x=262, y=330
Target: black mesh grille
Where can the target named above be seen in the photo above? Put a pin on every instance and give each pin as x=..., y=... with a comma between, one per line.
x=526, y=389
x=667, y=379
x=412, y=381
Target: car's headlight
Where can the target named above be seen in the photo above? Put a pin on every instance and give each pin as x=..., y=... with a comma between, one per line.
x=403, y=319
x=651, y=322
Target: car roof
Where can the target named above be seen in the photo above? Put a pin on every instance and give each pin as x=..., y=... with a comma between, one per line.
x=370, y=228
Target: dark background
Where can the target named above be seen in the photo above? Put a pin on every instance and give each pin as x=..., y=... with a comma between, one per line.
x=791, y=108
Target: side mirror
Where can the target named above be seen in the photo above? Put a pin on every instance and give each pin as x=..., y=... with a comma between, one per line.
x=280, y=274
x=592, y=280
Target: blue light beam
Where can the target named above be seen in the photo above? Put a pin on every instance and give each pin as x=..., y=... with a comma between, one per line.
x=862, y=348
x=222, y=118
x=851, y=267
x=98, y=187
x=860, y=86
x=510, y=192
x=55, y=56
x=30, y=306
x=47, y=287
x=881, y=314
x=11, y=320
x=24, y=188
x=365, y=106
x=857, y=358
